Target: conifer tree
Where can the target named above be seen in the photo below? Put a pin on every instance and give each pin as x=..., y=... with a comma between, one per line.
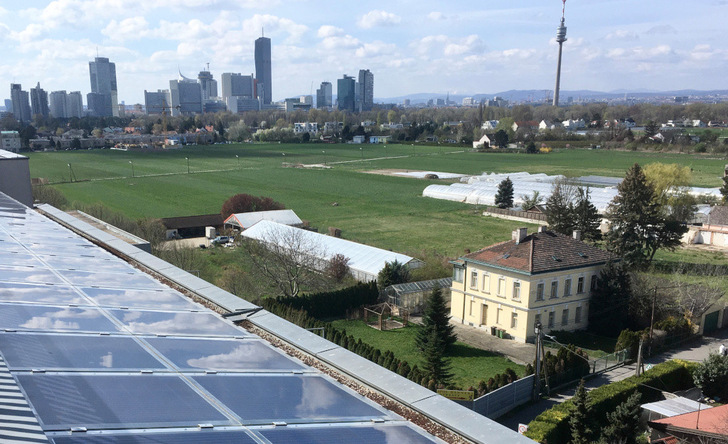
x=624, y=422
x=638, y=227
x=560, y=208
x=579, y=421
x=724, y=189
x=435, y=365
x=609, y=300
x=436, y=320
x=504, y=196
x=586, y=216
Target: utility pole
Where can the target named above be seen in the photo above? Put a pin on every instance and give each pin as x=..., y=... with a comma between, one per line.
x=537, y=380
x=638, y=370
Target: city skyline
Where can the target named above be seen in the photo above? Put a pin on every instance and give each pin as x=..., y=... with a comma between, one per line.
x=476, y=48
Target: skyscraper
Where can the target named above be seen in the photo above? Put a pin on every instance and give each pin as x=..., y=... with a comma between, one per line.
x=208, y=85
x=74, y=104
x=366, y=89
x=186, y=96
x=39, y=101
x=156, y=102
x=324, y=96
x=58, y=107
x=21, y=103
x=103, y=82
x=560, y=39
x=346, y=93
x=263, y=70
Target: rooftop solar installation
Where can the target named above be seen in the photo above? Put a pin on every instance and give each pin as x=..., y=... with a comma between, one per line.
x=105, y=353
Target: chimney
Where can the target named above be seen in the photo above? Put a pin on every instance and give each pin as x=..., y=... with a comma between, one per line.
x=542, y=228
x=577, y=235
x=519, y=234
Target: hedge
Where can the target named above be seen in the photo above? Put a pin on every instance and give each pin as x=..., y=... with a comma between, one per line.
x=552, y=426
x=334, y=303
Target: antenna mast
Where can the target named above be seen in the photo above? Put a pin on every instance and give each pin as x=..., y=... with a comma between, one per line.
x=560, y=39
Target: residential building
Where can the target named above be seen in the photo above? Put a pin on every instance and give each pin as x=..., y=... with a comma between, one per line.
x=528, y=125
x=543, y=277
x=185, y=96
x=305, y=127
x=74, y=104
x=39, y=101
x=704, y=425
x=10, y=141
x=324, y=96
x=156, y=102
x=263, y=70
x=58, y=104
x=346, y=93
x=483, y=142
x=574, y=124
x=21, y=103
x=366, y=89
x=489, y=125
x=333, y=127
x=545, y=125
x=103, y=82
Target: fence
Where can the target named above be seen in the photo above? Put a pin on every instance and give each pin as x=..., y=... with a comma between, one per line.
x=514, y=213
x=499, y=402
x=610, y=361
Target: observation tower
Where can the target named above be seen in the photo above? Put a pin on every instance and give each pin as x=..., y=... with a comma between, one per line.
x=560, y=38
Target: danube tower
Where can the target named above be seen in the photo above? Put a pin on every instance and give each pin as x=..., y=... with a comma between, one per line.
x=560, y=39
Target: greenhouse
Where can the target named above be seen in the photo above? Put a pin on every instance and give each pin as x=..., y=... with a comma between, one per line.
x=481, y=190
x=412, y=295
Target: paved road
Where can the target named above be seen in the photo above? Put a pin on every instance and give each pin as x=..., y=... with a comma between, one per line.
x=696, y=350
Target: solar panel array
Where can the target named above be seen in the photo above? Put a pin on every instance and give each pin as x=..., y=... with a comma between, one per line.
x=105, y=353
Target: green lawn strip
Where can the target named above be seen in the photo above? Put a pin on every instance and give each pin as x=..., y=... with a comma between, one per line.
x=469, y=365
x=692, y=256
x=595, y=346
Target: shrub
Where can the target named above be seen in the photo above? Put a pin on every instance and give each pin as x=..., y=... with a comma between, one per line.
x=712, y=376
x=338, y=267
x=630, y=340
x=553, y=424
x=49, y=195
x=244, y=203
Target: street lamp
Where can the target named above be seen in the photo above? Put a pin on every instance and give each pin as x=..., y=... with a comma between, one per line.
x=188, y=164
x=238, y=157
x=324, y=153
x=361, y=149
x=537, y=381
x=132, y=168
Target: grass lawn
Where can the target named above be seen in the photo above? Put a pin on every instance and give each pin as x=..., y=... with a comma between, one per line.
x=469, y=365
x=384, y=211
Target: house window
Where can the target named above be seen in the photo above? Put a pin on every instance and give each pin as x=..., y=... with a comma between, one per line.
x=565, y=317
x=552, y=316
x=472, y=304
x=580, y=285
x=539, y=291
x=577, y=315
x=457, y=274
x=486, y=282
x=567, y=287
x=514, y=320
x=537, y=319
x=554, y=289
x=498, y=313
x=502, y=287
x=516, y=291
x=593, y=282
x=474, y=280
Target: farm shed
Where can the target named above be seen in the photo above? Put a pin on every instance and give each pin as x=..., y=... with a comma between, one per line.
x=365, y=261
x=412, y=295
x=243, y=221
x=191, y=226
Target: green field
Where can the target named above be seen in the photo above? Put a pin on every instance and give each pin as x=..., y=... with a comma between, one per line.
x=469, y=365
x=384, y=211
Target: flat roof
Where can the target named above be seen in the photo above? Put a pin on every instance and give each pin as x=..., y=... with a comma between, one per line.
x=117, y=351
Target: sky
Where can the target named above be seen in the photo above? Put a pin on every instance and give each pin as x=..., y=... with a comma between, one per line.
x=462, y=47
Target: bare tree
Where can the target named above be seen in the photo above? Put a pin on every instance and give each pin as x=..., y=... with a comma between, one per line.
x=288, y=259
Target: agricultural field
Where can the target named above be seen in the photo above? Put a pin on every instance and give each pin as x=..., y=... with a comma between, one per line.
x=385, y=211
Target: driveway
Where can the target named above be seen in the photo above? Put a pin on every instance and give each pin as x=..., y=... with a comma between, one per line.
x=480, y=338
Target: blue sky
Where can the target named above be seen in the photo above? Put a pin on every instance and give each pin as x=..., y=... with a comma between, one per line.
x=411, y=46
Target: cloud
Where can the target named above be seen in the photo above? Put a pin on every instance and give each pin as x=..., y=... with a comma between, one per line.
x=133, y=28
x=378, y=18
x=436, y=15
x=622, y=34
x=442, y=45
x=329, y=31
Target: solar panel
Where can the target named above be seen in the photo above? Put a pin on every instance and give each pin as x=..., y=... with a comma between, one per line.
x=190, y=437
x=288, y=398
x=113, y=280
x=74, y=352
x=51, y=318
x=375, y=434
x=130, y=298
x=207, y=354
x=65, y=401
x=28, y=275
x=176, y=323
x=72, y=262
x=48, y=294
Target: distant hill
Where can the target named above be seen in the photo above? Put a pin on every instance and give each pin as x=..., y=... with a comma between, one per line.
x=539, y=95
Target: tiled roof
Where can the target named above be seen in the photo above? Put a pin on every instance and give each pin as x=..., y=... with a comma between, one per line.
x=710, y=421
x=718, y=215
x=193, y=221
x=540, y=253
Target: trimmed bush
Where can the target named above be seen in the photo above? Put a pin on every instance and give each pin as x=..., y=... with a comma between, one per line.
x=334, y=303
x=553, y=425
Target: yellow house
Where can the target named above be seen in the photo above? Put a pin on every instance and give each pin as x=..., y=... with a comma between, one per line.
x=543, y=277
